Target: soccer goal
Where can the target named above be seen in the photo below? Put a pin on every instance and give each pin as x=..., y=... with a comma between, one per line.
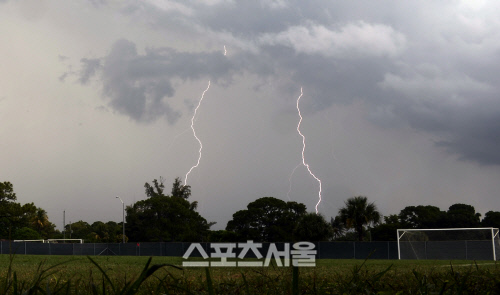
x=449, y=243
x=77, y=241
x=31, y=241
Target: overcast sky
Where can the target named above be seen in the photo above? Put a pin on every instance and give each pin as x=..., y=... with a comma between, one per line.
x=400, y=103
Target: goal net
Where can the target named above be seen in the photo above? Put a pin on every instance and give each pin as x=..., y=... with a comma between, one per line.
x=449, y=243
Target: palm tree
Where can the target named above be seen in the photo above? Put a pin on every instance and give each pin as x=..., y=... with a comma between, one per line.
x=40, y=220
x=357, y=213
x=338, y=227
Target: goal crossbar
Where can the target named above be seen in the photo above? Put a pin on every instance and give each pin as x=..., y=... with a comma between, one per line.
x=494, y=234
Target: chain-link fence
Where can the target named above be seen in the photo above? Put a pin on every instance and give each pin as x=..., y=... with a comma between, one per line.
x=449, y=250
x=325, y=250
x=468, y=250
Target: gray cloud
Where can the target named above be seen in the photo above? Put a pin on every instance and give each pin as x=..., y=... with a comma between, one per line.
x=89, y=68
x=138, y=85
x=442, y=81
x=395, y=95
x=456, y=105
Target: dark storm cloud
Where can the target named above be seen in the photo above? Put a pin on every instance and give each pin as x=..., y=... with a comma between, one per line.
x=472, y=132
x=408, y=63
x=480, y=144
x=458, y=106
x=443, y=84
x=139, y=85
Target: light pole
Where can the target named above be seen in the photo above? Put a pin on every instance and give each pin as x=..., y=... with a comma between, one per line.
x=123, y=204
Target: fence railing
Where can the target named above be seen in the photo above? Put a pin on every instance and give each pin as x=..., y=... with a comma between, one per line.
x=325, y=250
x=466, y=250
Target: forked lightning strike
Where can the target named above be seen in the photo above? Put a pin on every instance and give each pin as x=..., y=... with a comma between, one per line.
x=304, y=148
x=194, y=133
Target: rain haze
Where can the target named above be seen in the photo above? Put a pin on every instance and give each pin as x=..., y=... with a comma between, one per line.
x=401, y=103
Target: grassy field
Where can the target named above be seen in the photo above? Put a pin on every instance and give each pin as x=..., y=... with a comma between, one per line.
x=164, y=275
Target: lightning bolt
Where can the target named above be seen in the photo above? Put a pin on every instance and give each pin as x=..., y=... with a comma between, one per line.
x=303, y=149
x=194, y=133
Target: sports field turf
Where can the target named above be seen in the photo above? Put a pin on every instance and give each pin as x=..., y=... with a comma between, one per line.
x=117, y=275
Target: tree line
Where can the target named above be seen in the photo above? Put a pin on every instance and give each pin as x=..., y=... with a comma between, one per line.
x=163, y=217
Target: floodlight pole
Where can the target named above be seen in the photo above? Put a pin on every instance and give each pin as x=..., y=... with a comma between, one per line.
x=123, y=223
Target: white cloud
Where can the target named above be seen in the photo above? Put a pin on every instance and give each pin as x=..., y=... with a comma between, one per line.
x=352, y=40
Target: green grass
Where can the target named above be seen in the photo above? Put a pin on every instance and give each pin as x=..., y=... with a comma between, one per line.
x=31, y=274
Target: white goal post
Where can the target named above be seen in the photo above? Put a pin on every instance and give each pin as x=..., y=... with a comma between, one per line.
x=449, y=243
x=78, y=241
x=32, y=241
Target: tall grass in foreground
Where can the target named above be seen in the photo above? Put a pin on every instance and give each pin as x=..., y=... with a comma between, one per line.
x=361, y=277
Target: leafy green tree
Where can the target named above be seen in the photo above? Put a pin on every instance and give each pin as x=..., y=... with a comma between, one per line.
x=358, y=213
x=78, y=230
x=166, y=218
x=100, y=232
x=422, y=217
x=7, y=192
x=14, y=216
x=267, y=220
x=491, y=219
x=181, y=191
x=26, y=233
x=314, y=228
x=462, y=215
x=338, y=227
x=115, y=231
x=222, y=236
x=386, y=231
x=35, y=218
x=9, y=209
x=23, y=216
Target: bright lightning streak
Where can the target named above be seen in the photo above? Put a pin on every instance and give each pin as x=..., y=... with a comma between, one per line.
x=194, y=133
x=304, y=148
